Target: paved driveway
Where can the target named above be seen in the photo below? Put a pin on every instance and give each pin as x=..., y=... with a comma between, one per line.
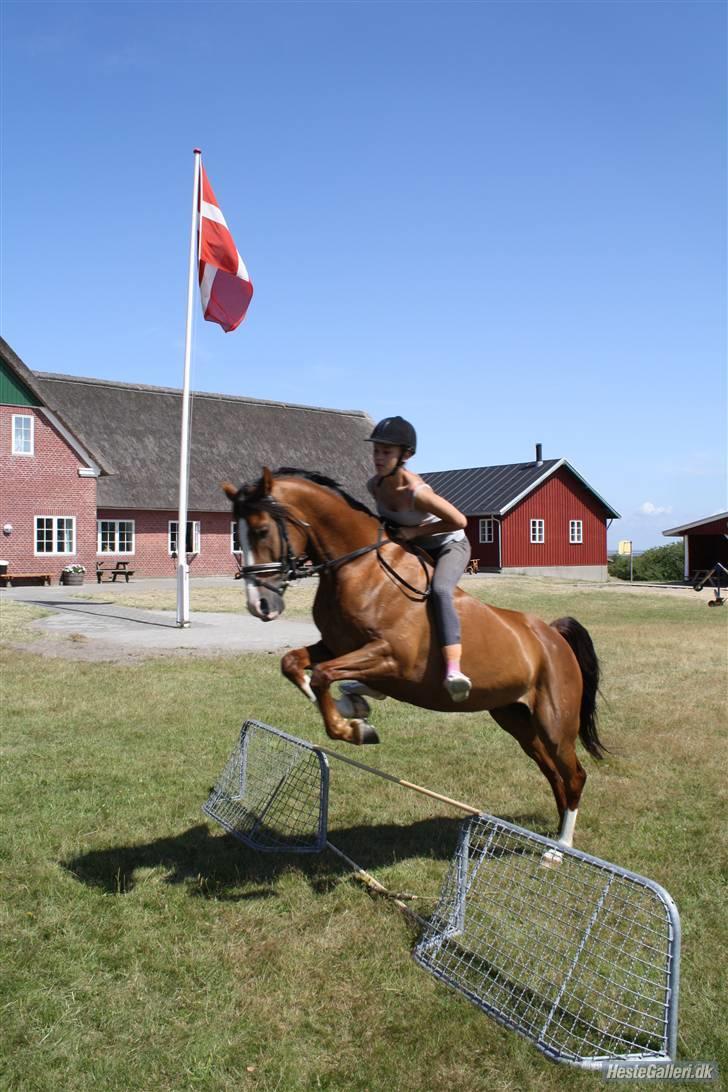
x=83, y=627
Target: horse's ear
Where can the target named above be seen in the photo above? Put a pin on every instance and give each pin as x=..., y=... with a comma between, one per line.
x=266, y=482
x=229, y=490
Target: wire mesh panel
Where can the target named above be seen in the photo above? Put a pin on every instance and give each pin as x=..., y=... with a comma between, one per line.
x=581, y=957
x=273, y=792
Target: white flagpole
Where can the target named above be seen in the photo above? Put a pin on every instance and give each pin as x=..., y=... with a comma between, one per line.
x=183, y=569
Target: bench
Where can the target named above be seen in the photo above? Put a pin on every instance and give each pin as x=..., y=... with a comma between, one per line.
x=120, y=569
x=6, y=579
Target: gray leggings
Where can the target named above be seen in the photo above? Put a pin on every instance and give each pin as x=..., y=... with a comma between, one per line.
x=450, y=563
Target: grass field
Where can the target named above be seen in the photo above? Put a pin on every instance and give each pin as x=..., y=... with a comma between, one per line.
x=144, y=949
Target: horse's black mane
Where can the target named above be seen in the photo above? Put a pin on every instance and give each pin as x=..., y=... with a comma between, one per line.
x=321, y=479
x=274, y=507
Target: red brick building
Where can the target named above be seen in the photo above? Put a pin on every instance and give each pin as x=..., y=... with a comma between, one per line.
x=90, y=468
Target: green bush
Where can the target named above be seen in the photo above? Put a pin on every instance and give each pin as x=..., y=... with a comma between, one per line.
x=662, y=563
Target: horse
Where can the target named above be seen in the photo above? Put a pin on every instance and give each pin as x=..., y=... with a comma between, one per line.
x=539, y=682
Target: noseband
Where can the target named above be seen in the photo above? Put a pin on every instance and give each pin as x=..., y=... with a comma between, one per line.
x=291, y=567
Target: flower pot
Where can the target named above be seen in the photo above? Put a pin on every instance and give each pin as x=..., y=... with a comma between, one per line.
x=72, y=579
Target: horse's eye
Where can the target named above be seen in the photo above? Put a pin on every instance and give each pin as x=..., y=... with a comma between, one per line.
x=258, y=533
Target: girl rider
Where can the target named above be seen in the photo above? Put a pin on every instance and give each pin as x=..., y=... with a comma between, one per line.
x=413, y=512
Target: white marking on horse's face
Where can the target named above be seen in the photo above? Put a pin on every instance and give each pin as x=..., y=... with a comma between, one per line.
x=259, y=602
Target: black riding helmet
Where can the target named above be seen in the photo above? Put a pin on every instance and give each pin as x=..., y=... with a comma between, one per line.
x=395, y=431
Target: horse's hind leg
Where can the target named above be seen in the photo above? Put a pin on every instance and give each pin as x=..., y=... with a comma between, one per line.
x=556, y=760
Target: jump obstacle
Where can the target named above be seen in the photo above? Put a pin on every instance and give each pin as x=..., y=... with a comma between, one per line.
x=582, y=958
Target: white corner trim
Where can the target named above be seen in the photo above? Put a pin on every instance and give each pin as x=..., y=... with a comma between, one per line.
x=88, y=472
x=71, y=441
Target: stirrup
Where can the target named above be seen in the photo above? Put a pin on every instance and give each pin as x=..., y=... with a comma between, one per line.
x=458, y=686
x=353, y=706
x=351, y=686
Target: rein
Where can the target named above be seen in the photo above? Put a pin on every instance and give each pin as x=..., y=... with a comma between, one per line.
x=297, y=566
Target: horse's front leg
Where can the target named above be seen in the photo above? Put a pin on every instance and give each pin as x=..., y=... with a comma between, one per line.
x=372, y=661
x=297, y=664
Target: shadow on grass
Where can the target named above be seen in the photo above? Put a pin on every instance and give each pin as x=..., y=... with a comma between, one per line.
x=221, y=867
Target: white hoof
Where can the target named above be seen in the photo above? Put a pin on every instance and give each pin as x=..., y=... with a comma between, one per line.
x=552, y=858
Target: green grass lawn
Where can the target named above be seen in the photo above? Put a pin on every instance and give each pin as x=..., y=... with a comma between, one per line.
x=144, y=949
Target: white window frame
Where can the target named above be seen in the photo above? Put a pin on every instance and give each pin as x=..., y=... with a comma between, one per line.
x=23, y=417
x=486, y=530
x=196, y=536
x=116, y=547
x=233, y=536
x=537, y=532
x=576, y=532
x=55, y=552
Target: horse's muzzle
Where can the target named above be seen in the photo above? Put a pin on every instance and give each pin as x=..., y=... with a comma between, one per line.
x=264, y=603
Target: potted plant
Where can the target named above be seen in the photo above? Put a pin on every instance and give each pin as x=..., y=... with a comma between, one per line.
x=73, y=574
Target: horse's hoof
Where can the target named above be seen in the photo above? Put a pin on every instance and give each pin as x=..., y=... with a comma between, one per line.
x=552, y=858
x=364, y=732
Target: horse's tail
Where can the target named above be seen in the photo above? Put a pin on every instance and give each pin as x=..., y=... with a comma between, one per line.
x=581, y=644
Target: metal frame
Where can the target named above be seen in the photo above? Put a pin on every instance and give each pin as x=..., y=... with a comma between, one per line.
x=293, y=775
x=578, y=955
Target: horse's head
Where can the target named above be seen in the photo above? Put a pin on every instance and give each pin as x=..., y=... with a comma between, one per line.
x=270, y=539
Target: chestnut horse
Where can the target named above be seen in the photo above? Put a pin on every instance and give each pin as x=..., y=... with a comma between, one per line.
x=539, y=682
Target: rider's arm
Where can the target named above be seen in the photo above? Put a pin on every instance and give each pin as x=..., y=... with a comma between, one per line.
x=449, y=518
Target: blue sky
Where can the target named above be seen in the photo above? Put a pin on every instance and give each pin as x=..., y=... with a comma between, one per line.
x=504, y=221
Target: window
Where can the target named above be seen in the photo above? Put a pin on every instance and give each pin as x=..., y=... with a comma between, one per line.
x=537, y=530
x=22, y=434
x=235, y=546
x=192, y=538
x=576, y=530
x=55, y=535
x=115, y=536
x=485, y=530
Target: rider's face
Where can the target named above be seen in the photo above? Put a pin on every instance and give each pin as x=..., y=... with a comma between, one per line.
x=386, y=457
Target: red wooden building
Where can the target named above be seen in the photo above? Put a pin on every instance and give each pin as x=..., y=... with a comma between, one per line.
x=539, y=517
x=706, y=541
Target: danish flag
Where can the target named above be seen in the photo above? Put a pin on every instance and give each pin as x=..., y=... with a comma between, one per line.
x=225, y=287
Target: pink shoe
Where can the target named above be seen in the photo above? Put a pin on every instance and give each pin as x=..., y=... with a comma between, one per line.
x=458, y=686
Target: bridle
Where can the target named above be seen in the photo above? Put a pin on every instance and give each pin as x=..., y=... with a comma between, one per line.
x=291, y=566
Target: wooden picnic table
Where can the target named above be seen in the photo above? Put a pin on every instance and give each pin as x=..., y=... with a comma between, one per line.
x=120, y=568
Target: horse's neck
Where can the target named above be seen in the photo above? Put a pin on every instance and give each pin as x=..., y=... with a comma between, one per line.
x=336, y=527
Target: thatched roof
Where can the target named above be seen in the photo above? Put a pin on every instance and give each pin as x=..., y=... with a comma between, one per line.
x=136, y=430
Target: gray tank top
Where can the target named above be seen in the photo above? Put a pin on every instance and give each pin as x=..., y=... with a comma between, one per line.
x=410, y=517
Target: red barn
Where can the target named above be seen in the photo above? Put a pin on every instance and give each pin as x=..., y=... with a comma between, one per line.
x=539, y=517
x=706, y=541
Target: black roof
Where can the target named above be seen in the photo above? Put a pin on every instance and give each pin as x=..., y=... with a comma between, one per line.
x=493, y=490
x=136, y=431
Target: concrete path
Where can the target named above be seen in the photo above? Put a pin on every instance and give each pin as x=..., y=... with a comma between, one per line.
x=82, y=627
x=85, y=627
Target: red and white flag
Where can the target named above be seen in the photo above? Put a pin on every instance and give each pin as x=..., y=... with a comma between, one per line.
x=225, y=287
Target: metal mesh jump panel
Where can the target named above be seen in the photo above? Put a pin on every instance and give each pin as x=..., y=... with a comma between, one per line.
x=582, y=957
x=273, y=792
